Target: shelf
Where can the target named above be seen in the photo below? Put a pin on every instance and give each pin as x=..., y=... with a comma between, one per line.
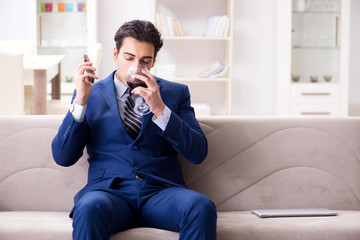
x=57, y=12
x=199, y=79
x=317, y=12
x=62, y=47
x=196, y=38
x=315, y=83
x=316, y=48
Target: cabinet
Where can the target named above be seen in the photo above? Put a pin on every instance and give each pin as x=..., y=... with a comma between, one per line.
x=66, y=27
x=183, y=58
x=312, y=67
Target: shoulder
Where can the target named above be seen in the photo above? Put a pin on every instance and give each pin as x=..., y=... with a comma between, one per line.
x=168, y=85
x=109, y=80
x=172, y=92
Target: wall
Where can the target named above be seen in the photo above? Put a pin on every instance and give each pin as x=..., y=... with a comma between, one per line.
x=254, y=44
x=254, y=58
x=18, y=20
x=354, y=70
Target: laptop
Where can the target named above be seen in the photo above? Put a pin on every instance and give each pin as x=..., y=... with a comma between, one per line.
x=301, y=212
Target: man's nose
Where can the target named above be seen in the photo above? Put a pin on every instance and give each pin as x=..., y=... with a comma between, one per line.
x=138, y=64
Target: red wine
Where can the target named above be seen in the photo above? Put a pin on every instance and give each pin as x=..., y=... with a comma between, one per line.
x=134, y=82
x=131, y=79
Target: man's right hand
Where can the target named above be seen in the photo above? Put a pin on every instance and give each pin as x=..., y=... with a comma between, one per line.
x=83, y=86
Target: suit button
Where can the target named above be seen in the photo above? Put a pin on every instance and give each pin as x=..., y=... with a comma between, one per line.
x=136, y=168
x=135, y=148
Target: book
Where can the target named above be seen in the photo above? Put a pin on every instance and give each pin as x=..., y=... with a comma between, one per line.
x=226, y=27
x=213, y=70
x=167, y=25
x=217, y=26
x=166, y=71
x=160, y=24
x=179, y=28
x=170, y=26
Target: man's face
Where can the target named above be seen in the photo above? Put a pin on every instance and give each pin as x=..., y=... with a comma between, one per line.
x=133, y=52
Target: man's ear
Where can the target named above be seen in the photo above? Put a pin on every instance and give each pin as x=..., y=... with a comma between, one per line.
x=115, y=54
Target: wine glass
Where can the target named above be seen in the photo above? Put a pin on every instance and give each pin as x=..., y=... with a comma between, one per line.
x=141, y=107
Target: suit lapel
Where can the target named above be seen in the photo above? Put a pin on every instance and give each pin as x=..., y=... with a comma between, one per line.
x=108, y=92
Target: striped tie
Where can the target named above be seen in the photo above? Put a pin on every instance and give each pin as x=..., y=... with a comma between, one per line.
x=132, y=121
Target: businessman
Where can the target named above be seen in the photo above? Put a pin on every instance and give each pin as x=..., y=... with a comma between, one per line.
x=134, y=176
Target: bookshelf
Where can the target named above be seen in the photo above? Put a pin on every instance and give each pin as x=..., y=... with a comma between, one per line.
x=68, y=28
x=185, y=56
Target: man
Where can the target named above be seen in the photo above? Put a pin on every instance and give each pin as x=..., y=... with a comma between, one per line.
x=134, y=181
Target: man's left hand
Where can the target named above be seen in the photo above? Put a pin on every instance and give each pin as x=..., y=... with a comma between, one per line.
x=151, y=94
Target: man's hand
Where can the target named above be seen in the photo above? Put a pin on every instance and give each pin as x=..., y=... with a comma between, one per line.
x=83, y=86
x=151, y=94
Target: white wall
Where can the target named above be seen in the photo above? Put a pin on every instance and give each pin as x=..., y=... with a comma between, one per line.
x=254, y=58
x=18, y=20
x=354, y=69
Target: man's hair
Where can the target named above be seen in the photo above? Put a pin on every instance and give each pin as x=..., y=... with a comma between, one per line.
x=141, y=30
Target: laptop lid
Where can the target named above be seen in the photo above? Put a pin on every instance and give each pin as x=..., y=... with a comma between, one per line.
x=304, y=212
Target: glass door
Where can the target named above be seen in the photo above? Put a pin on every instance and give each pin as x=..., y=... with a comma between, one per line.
x=316, y=41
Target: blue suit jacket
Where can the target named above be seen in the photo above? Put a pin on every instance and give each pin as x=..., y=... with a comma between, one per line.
x=114, y=155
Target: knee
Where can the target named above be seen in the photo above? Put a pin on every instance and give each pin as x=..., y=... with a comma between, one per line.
x=92, y=207
x=92, y=216
x=198, y=218
x=201, y=206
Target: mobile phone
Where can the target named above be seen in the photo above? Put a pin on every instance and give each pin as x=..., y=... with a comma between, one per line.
x=86, y=59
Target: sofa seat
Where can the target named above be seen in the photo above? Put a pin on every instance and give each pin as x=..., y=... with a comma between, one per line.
x=243, y=225
x=30, y=225
x=37, y=225
x=231, y=225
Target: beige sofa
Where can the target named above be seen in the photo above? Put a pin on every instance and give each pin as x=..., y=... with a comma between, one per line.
x=252, y=163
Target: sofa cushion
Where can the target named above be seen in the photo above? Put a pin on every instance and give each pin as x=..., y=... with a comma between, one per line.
x=30, y=180
x=243, y=225
x=32, y=225
x=238, y=225
x=256, y=163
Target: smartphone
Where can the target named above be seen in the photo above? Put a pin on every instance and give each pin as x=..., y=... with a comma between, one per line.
x=86, y=59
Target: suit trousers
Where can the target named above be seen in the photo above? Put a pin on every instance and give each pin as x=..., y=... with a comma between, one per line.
x=143, y=203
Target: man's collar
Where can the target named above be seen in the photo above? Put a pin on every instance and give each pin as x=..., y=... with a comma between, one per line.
x=119, y=86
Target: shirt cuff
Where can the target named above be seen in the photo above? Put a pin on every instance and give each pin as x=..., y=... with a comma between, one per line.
x=78, y=112
x=162, y=120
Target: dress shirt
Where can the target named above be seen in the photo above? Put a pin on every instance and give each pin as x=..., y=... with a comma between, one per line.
x=78, y=112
